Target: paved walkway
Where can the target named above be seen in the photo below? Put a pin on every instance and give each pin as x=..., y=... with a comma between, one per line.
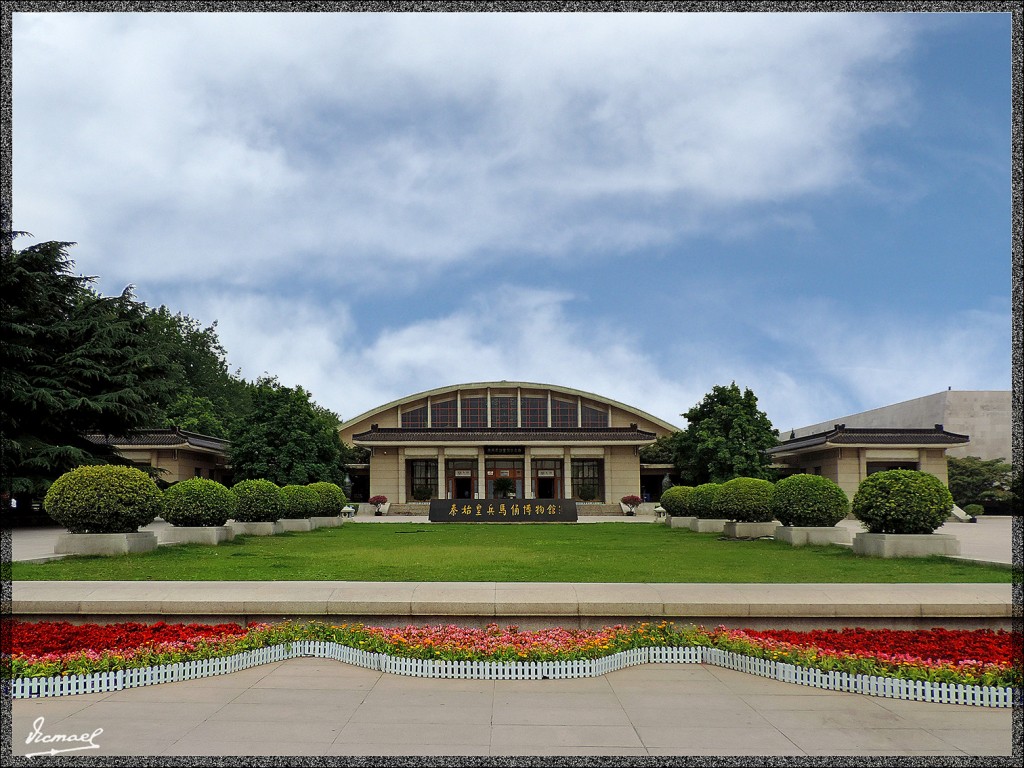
x=321, y=707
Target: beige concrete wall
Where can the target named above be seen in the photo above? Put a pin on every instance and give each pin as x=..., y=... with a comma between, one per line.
x=384, y=473
x=181, y=467
x=982, y=415
x=621, y=473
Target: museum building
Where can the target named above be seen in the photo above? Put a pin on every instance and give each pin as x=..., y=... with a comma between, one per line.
x=550, y=441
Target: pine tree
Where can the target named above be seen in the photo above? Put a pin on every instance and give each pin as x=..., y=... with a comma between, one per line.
x=73, y=362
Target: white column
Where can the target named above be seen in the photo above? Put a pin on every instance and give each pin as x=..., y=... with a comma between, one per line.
x=528, y=490
x=481, y=474
x=401, y=475
x=567, y=472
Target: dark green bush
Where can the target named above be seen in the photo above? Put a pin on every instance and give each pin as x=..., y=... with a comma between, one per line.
x=902, y=501
x=299, y=502
x=423, y=493
x=332, y=499
x=587, y=492
x=103, y=499
x=257, y=501
x=701, y=501
x=673, y=500
x=745, y=500
x=974, y=510
x=198, y=502
x=809, y=500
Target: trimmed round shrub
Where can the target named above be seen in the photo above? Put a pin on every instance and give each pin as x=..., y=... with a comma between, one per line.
x=902, y=501
x=673, y=500
x=332, y=499
x=974, y=510
x=299, y=502
x=745, y=500
x=422, y=493
x=257, y=501
x=198, y=502
x=809, y=500
x=103, y=499
x=701, y=502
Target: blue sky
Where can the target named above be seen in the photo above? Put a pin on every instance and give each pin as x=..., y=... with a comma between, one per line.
x=816, y=206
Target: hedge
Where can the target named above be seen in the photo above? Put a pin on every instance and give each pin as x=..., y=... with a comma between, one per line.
x=257, y=501
x=198, y=502
x=103, y=499
x=902, y=501
x=745, y=500
x=809, y=500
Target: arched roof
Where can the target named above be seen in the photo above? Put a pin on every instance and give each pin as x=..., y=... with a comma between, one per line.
x=554, y=388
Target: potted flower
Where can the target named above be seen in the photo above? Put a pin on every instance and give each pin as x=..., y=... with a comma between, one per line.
x=629, y=504
x=380, y=503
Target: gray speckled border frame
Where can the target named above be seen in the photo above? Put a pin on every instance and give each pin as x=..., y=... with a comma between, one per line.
x=1015, y=7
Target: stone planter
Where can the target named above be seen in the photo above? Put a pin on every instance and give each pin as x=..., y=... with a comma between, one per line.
x=709, y=525
x=297, y=525
x=105, y=543
x=800, y=536
x=681, y=522
x=256, y=529
x=905, y=544
x=187, y=534
x=736, y=530
x=327, y=522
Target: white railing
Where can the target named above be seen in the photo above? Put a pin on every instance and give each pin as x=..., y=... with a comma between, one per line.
x=912, y=690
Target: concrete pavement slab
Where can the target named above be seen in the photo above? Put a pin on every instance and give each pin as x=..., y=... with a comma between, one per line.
x=416, y=716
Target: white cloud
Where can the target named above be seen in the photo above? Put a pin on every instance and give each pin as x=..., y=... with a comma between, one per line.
x=211, y=145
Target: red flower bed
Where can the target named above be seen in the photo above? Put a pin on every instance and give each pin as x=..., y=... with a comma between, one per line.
x=933, y=645
x=35, y=639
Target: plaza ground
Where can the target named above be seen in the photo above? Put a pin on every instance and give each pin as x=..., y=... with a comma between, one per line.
x=320, y=707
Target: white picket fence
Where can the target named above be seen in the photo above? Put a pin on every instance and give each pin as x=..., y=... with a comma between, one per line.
x=912, y=690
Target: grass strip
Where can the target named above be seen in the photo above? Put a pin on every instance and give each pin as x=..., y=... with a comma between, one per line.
x=598, y=552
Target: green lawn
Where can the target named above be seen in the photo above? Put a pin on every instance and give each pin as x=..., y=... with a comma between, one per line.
x=601, y=552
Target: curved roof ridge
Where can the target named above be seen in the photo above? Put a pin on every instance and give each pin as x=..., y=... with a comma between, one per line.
x=509, y=384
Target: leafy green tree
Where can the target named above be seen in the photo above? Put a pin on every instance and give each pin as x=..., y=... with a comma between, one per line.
x=726, y=437
x=661, y=451
x=73, y=362
x=207, y=393
x=973, y=480
x=286, y=438
x=196, y=414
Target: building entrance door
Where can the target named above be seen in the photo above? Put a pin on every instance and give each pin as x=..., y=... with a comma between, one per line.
x=545, y=487
x=510, y=469
x=460, y=478
x=547, y=478
x=463, y=488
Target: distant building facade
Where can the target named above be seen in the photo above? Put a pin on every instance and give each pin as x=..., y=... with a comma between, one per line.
x=984, y=416
x=549, y=441
x=847, y=455
x=178, y=453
